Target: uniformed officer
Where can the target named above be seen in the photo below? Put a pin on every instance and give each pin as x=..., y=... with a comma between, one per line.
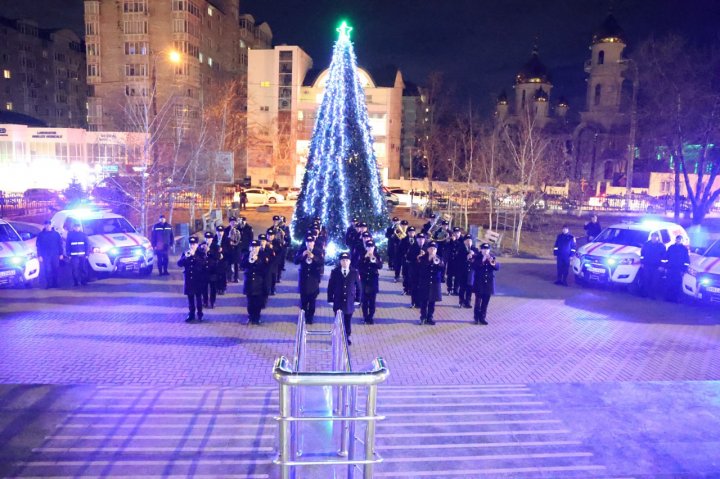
x=77, y=247
x=246, y=235
x=277, y=248
x=405, y=245
x=161, y=239
x=392, y=240
x=677, y=261
x=369, y=266
x=415, y=251
x=221, y=269
x=50, y=253
x=232, y=251
x=256, y=287
x=268, y=254
x=429, y=286
x=592, y=228
x=450, y=253
x=651, y=256
x=194, y=264
x=399, y=260
x=464, y=272
x=430, y=223
x=311, y=259
x=351, y=232
x=212, y=275
x=484, y=266
x=564, y=249
x=343, y=291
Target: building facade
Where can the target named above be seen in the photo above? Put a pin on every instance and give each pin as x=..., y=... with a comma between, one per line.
x=43, y=73
x=50, y=157
x=284, y=95
x=166, y=57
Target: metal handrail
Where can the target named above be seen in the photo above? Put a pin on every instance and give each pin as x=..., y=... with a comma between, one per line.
x=292, y=375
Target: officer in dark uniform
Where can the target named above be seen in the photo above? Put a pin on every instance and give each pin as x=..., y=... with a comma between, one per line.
x=50, y=253
x=278, y=245
x=161, y=239
x=343, y=291
x=256, y=287
x=415, y=251
x=450, y=252
x=246, y=235
x=358, y=250
x=212, y=254
x=592, y=228
x=221, y=269
x=564, y=249
x=426, y=227
x=194, y=264
x=392, y=241
x=651, y=256
x=267, y=253
x=429, y=287
x=399, y=260
x=369, y=266
x=277, y=248
x=463, y=268
x=311, y=259
x=484, y=266
x=677, y=261
x=77, y=247
x=232, y=251
x=405, y=245
x=351, y=232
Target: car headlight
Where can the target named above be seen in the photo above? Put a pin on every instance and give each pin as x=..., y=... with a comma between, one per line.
x=705, y=281
x=17, y=260
x=611, y=261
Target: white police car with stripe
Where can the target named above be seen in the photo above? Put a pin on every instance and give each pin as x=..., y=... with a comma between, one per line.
x=18, y=263
x=115, y=245
x=702, y=279
x=614, y=255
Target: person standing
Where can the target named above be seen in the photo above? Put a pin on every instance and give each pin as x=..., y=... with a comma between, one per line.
x=231, y=250
x=221, y=268
x=246, y=235
x=651, y=256
x=255, y=285
x=50, y=253
x=369, y=266
x=161, y=239
x=564, y=249
x=392, y=241
x=405, y=245
x=77, y=247
x=243, y=199
x=276, y=245
x=415, y=251
x=677, y=260
x=343, y=290
x=194, y=264
x=310, y=259
x=449, y=256
x=212, y=254
x=484, y=267
x=399, y=259
x=464, y=273
x=592, y=228
x=429, y=282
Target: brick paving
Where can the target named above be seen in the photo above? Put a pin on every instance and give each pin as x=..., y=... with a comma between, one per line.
x=130, y=330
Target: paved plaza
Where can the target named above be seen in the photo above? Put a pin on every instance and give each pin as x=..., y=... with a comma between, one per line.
x=109, y=381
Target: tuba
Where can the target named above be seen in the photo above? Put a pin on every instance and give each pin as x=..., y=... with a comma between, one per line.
x=400, y=232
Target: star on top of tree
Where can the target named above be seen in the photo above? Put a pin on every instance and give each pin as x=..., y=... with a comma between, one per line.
x=344, y=30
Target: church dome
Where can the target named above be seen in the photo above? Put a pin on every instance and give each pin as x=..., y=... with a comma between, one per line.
x=541, y=95
x=533, y=71
x=609, y=32
x=502, y=99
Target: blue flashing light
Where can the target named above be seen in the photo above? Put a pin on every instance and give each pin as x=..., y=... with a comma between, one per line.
x=705, y=281
x=611, y=261
x=113, y=251
x=17, y=260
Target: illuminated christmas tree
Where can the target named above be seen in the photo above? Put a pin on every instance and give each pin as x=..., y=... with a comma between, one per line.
x=342, y=179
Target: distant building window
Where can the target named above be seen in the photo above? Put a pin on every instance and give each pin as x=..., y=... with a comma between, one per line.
x=210, y=61
x=90, y=29
x=7, y=74
x=92, y=49
x=601, y=57
x=9, y=106
x=134, y=6
x=210, y=12
x=136, y=70
x=93, y=70
x=136, y=48
x=264, y=108
x=265, y=84
x=135, y=27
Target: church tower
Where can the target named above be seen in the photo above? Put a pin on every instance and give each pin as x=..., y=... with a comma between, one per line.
x=532, y=86
x=605, y=68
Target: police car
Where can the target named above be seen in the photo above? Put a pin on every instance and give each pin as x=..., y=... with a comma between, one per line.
x=614, y=255
x=115, y=246
x=18, y=263
x=702, y=279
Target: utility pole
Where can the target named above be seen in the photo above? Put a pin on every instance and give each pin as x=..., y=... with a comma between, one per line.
x=633, y=129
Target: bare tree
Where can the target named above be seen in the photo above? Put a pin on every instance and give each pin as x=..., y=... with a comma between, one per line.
x=533, y=153
x=681, y=108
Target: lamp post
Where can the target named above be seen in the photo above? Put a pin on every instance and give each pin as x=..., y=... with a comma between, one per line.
x=633, y=128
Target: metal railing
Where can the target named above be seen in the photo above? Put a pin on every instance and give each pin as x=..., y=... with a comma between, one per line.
x=293, y=380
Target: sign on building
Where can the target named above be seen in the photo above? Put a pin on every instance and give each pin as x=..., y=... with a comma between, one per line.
x=225, y=164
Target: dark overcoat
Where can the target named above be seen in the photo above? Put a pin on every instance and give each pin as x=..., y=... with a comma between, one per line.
x=369, y=273
x=344, y=291
x=429, y=279
x=484, y=275
x=195, y=272
x=309, y=274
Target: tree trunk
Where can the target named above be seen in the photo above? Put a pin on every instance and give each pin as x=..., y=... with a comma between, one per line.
x=677, y=189
x=518, y=231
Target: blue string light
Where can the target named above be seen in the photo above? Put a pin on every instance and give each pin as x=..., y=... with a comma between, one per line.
x=342, y=179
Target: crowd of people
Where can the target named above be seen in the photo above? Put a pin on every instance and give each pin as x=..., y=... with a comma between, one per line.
x=437, y=256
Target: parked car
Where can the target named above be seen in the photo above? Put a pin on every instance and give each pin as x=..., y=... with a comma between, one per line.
x=115, y=244
x=261, y=196
x=402, y=195
x=293, y=194
x=390, y=198
x=41, y=194
x=18, y=262
x=614, y=255
x=702, y=279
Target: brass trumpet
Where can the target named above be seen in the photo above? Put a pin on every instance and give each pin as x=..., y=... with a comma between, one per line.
x=400, y=232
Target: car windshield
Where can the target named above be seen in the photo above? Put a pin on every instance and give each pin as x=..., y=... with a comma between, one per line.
x=104, y=226
x=7, y=233
x=713, y=250
x=626, y=237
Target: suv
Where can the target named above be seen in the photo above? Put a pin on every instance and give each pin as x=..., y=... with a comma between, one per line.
x=115, y=245
x=702, y=279
x=41, y=194
x=614, y=255
x=18, y=263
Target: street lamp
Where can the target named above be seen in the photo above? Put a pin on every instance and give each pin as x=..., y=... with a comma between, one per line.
x=633, y=126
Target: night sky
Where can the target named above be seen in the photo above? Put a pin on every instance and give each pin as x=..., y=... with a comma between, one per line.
x=478, y=44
